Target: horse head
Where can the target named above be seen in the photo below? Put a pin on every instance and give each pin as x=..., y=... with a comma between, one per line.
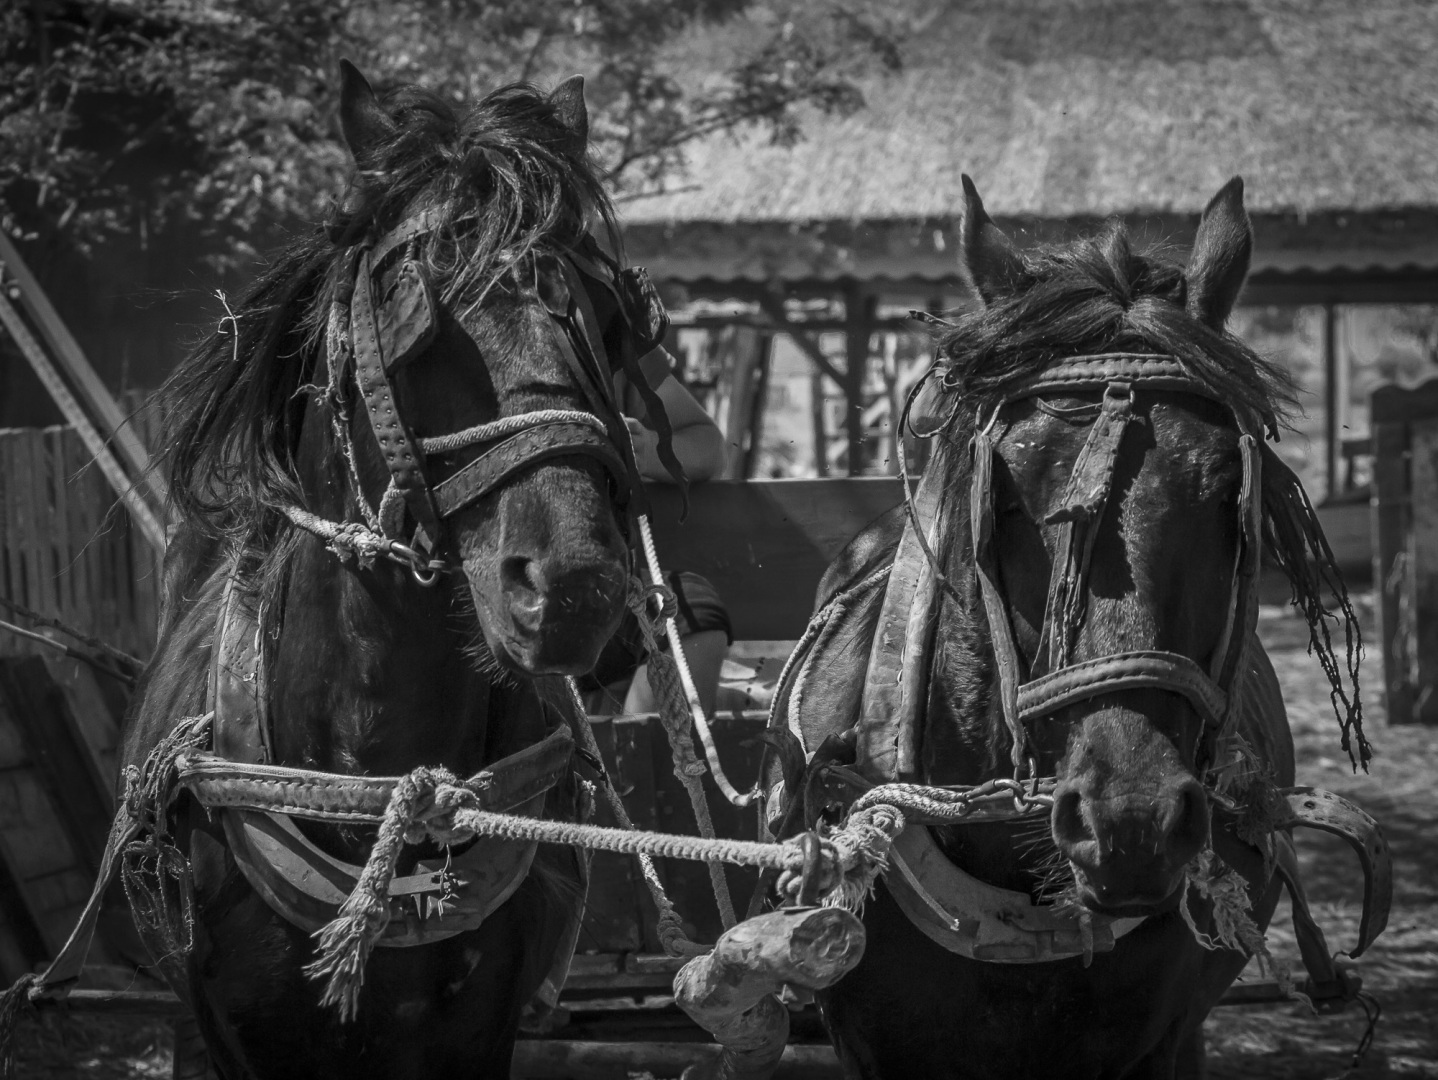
x=532, y=505
x=457, y=329
x=1113, y=427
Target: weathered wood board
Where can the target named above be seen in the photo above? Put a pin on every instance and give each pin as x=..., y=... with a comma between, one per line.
x=1405, y=546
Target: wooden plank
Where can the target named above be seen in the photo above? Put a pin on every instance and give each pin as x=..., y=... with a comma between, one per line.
x=99, y=403
x=31, y=531
x=114, y=471
x=97, y=715
x=60, y=522
x=33, y=843
x=563, y=1059
x=80, y=792
x=79, y=489
x=42, y=501
x=765, y=543
x=1423, y=543
x=1389, y=509
x=612, y=915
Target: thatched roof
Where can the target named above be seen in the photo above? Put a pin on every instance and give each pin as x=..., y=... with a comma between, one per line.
x=1060, y=108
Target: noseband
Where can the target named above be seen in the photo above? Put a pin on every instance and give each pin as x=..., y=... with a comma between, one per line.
x=387, y=328
x=1212, y=691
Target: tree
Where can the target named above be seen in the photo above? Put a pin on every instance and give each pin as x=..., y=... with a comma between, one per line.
x=213, y=119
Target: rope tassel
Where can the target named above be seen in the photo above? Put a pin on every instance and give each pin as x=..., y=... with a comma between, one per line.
x=345, y=943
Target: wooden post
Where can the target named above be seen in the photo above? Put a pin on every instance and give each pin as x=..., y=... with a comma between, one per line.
x=730, y=991
x=100, y=405
x=757, y=403
x=1423, y=515
x=1404, y=514
x=1332, y=403
x=858, y=325
x=820, y=427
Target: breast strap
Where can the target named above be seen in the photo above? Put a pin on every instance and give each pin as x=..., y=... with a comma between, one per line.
x=257, y=799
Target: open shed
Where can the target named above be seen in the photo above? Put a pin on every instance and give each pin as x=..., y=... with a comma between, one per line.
x=1066, y=112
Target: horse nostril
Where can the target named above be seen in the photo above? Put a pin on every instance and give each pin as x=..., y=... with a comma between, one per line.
x=522, y=580
x=1185, y=827
x=1069, y=826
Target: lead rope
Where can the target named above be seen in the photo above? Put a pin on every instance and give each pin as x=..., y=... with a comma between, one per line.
x=670, y=928
x=674, y=699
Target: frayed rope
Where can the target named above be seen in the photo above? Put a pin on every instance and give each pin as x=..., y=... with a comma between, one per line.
x=1233, y=925
x=345, y=943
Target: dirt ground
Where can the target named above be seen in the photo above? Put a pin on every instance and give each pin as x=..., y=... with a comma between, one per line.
x=1282, y=1042
x=1285, y=1042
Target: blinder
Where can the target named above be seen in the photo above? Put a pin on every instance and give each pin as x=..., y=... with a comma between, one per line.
x=1212, y=691
x=394, y=319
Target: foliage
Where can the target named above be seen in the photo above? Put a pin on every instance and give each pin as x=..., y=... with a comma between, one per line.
x=214, y=119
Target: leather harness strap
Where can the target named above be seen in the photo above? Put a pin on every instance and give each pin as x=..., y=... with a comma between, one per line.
x=385, y=335
x=396, y=445
x=1080, y=511
x=493, y=468
x=1135, y=670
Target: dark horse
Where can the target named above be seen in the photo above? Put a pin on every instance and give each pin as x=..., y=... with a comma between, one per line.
x=365, y=670
x=1152, y=579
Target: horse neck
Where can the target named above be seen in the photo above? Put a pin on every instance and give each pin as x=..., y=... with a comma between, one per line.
x=371, y=673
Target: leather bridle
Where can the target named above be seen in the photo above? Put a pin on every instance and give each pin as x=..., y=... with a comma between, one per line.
x=386, y=331
x=1212, y=691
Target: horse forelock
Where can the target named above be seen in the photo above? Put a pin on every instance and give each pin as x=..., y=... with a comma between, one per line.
x=1097, y=295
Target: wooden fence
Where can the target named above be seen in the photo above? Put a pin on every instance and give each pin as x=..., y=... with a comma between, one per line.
x=67, y=549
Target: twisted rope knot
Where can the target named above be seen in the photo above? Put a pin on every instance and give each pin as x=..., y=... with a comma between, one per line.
x=641, y=595
x=857, y=853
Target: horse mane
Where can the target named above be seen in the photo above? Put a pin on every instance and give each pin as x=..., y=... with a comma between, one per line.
x=505, y=180
x=1098, y=295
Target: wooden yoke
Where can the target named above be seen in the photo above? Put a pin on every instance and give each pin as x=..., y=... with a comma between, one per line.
x=730, y=991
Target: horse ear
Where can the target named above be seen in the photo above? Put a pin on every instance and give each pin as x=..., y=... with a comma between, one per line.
x=988, y=257
x=362, y=120
x=568, y=102
x=1221, y=251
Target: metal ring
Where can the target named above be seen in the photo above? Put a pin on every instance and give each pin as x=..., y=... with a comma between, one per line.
x=812, y=848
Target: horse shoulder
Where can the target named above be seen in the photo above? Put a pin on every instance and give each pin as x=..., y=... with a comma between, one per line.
x=824, y=687
x=871, y=548
x=175, y=682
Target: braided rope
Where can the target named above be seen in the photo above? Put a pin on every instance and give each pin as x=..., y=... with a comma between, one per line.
x=345, y=539
x=670, y=928
x=676, y=712
x=686, y=678
x=509, y=425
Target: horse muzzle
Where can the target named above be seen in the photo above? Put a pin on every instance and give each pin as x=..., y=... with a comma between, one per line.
x=556, y=624
x=1130, y=853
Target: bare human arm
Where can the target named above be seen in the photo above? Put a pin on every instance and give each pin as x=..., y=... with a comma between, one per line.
x=698, y=442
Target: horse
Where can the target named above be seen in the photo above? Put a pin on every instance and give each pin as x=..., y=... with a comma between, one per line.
x=1070, y=595
x=421, y=387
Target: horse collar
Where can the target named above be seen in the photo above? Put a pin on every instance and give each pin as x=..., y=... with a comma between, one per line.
x=303, y=883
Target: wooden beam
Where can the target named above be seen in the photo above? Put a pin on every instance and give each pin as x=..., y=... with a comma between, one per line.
x=98, y=401
x=859, y=306
x=757, y=405
x=773, y=306
x=124, y=484
x=1332, y=405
